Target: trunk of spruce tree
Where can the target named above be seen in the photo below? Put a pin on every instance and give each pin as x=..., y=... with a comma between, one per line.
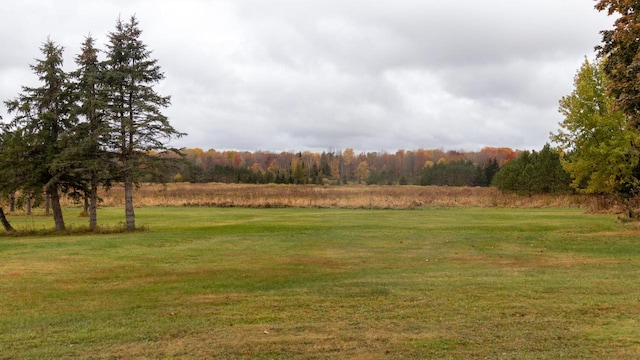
x=5, y=222
x=85, y=206
x=93, y=204
x=12, y=201
x=130, y=218
x=58, y=219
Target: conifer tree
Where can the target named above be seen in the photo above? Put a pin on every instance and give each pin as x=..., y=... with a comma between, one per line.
x=92, y=132
x=137, y=125
x=39, y=132
x=534, y=173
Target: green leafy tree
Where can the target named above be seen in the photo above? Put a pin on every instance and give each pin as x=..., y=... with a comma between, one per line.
x=601, y=151
x=36, y=137
x=138, y=127
x=620, y=52
x=362, y=171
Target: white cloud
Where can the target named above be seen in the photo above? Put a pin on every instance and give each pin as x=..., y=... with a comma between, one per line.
x=321, y=74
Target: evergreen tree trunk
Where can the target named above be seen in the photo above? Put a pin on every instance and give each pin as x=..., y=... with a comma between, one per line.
x=85, y=206
x=130, y=218
x=29, y=205
x=93, y=204
x=58, y=219
x=5, y=222
x=12, y=201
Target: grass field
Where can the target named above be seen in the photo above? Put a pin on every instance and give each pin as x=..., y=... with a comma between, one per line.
x=236, y=283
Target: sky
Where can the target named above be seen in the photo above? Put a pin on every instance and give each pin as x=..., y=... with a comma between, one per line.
x=298, y=75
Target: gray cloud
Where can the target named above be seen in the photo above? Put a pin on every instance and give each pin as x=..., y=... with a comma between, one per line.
x=297, y=75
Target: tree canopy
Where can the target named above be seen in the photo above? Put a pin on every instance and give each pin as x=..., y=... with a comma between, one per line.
x=620, y=56
x=601, y=151
x=35, y=140
x=620, y=52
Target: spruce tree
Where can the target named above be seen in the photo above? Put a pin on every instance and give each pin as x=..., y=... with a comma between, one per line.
x=39, y=132
x=138, y=127
x=92, y=132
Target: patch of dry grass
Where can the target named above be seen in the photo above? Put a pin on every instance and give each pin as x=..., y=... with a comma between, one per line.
x=363, y=197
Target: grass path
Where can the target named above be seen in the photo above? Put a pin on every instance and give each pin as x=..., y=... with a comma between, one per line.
x=325, y=283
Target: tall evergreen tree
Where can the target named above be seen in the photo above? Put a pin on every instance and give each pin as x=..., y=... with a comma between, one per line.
x=40, y=131
x=534, y=173
x=134, y=108
x=91, y=134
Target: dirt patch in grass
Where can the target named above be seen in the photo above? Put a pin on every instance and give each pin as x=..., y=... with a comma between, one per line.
x=18, y=269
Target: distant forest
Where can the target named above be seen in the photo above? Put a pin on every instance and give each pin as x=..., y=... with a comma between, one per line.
x=419, y=167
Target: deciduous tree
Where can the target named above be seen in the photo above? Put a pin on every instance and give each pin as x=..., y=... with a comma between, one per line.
x=620, y=52
x=362, y=171
x=601, y=155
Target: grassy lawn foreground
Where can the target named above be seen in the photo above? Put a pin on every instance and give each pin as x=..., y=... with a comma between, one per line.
x=457, y=283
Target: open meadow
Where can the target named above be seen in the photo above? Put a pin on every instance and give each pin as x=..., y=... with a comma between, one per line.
x=351, y=197
x=324, y=283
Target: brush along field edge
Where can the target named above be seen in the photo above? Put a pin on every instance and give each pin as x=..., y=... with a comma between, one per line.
x=364, y=197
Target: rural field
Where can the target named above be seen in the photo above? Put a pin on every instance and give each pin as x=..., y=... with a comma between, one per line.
x=352, y=197
x=464, y=282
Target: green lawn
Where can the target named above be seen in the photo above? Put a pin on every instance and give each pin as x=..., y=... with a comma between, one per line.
x=452, y=283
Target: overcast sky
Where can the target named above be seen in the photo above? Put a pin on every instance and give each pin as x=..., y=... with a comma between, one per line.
x=330, y=74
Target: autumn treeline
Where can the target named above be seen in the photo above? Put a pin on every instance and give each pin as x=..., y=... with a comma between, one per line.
x=419, y=167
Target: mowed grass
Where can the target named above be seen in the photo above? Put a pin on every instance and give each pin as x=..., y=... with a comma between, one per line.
x=448, y=283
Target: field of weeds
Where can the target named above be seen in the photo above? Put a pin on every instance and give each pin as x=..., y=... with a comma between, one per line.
x=355, y=197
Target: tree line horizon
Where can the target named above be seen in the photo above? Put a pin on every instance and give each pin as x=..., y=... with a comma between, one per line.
x=522, y=171
x=329, y=167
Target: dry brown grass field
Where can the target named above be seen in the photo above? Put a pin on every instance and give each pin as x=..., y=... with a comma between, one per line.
x=355, y=196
